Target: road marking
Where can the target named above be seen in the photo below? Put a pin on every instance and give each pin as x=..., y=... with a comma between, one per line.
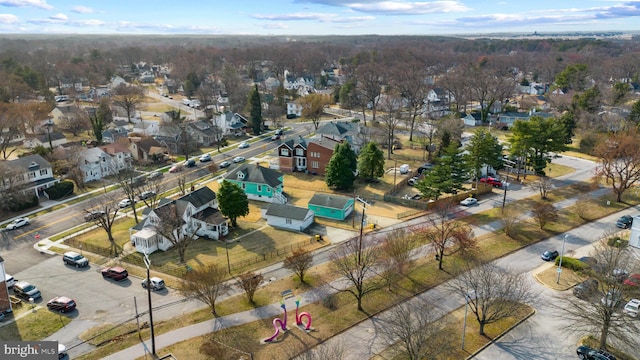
x=43, y=227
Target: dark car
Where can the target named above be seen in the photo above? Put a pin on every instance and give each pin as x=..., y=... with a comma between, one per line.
x=116, y=273
x=549, y=255
x=190, y=163
x=146, y=195
x=279, y=132
x=624, y=222
x=224, y=164
x=586, y=353
x=61, y=303
x=586, y=288
x=94, y=215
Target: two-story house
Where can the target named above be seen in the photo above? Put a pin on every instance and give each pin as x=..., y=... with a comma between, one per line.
x=31, y=173
x=259, y=183
x=437, y=103
x=231, y=123
x=64, y=114
x=292, y=155
x=311, y=156
x=120, y=154
x=348, y=131
x=99, y=162
x=198, y=211
x=294, y=110
x=170, y=137
x=146, y=150
x=204, y=133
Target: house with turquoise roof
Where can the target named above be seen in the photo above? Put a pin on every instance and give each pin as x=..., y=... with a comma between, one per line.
x=259, y=183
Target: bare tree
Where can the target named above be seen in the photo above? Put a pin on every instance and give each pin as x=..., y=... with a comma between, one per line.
x=172, y=225
x=544, y=213
x=152, y=189
x=582, y=206
x=396, y=250
x=509, y=219
x=447, y=236
x=129, y=184
x=369, y=85
x=492, y=293
x=602, y=317
x=619, y=157
x=9, y=129
x=410, y=78
x=357, y=261
x=313, y=107
x=249, y=283
x=128, y=97
x=335, y=349
x=12, y=188
x=103, y=214
x=391, y=104
x=416, y=328
x=299, y=262
x=543, y=185
x=206, y=284
x=182, y=183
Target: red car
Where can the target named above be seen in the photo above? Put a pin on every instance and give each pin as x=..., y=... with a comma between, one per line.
x=492, y=181
x=116, y=273
x=632, y=280
x=61, y=303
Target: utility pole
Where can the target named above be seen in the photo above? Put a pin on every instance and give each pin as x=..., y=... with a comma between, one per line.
x=509, y=165
x=147, y=263
x=364, y=208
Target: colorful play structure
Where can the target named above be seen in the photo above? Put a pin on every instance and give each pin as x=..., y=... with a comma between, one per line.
x=283, y=323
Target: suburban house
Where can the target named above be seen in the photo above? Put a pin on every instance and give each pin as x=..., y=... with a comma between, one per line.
x=259, y=183
x=471, y=119
x=30, y=173
x=204, y=133
x=146, y=128
x=66, y=113
x=437, y=103
x=198, y=211
x=331, y=206
x=294, y=109
x=310, y=156
x=319, y=153
x=146, y=150
x=147, y=77
x=231, y=123
x=169, y=136
x=51, y=140
x=5, y=300
x=342, y=130
x=292, y=155
x=509, y=118
x=288, y=217
x=99, y=162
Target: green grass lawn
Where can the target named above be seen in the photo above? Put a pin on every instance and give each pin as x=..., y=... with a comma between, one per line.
x=36, y=325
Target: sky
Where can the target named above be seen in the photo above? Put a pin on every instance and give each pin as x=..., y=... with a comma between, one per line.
x=316, y=17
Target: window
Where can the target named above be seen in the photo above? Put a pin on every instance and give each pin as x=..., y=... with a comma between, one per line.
x=299, y=152
x=288, y=221
x=259, y=188
x=268, y=189
x=244, y=186
x=284, y=152
x=32, y=175
x=315, y=165
x=44, y=172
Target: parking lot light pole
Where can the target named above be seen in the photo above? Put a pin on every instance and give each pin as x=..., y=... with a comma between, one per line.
x=509, y=165
x=564, y=239
x=147, y=263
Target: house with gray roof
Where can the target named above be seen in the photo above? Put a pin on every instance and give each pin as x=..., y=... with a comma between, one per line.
x=258, y=182
x=331, y=206
x=30, y=173
x=288, y=217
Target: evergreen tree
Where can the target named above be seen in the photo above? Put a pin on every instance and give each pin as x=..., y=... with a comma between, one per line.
x=536, y=139
x=341, y=167
x=97, y=126
x=371, y=161
x=634, y=115
x=484, y=149
x=233, y=202
x=568, y=120
x=255, y=106
x=447, y=176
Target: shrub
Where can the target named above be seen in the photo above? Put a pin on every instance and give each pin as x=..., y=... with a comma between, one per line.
x=617, y=241
x=572, y=263
x=60, y=190
x=26, y=203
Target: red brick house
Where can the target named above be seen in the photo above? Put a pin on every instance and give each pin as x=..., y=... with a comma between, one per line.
x=311, y=156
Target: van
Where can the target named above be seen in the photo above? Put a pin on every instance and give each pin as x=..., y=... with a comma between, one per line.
x=404, y=169
x=25, y=290
x=9, y=280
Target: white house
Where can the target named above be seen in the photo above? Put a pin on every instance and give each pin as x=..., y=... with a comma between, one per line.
x=99, y=162
x=231, y=123
x=288, y=217
x=200, y=216
x=294, y=109
x=30, y=173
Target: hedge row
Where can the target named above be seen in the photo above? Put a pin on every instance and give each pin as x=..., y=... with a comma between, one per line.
x=60, y=190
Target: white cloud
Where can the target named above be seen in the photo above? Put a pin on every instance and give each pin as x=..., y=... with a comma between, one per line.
x=8, y=19
x=42, y=4
x=61, y=17
x=82, y=10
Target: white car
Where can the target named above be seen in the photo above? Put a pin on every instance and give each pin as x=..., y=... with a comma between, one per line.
x=243, y=145
x=632, y=308
x=124, y=203
x=239, y=159
x=469, y=201
x=19, y=222
x=205, y=157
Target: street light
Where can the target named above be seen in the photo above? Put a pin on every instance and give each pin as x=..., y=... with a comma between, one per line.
x=147, y=263
x=466, y=309
x=509, y=165
x=564, y=239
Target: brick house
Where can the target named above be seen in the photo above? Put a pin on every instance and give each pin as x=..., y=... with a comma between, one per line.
x=311, y=156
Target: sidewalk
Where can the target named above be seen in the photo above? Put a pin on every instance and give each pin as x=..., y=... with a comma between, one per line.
x=365, y=332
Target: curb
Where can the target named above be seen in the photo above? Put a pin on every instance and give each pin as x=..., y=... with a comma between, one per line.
x=533, y=312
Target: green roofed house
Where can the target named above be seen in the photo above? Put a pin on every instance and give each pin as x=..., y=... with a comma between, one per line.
x=331, y=206
x=288, y=217
x=259, y=183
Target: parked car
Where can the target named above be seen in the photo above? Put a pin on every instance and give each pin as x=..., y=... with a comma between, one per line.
x=146, y=195
x=275, y=137
x=205, y=158
x=470, y=201
x=424, y=167
x=549, y=255
x=62, y=351
x=74, y=259
x=18, y=223
x=224, y=164
x=404, y=169
x=412, y=181
x=156, y=283
x=9, y=280
x=124, y=203
x=491, y=181
x=586, y=288
x=190, y=163
x=116, y=273
x=612, y=298
x=175, y=168
x=25, y=290
x=620, y=275
x=239, y=159
x=632, y=308
x=243, y=145
x=62, y=304
x=94, y=215
x=155, y=175
x=586, y=353
x=632, y=280
x=279, y=132
x=624, y=222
